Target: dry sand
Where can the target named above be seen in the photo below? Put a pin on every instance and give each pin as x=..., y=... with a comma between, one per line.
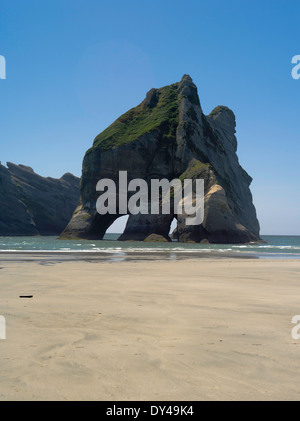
x=183, y=330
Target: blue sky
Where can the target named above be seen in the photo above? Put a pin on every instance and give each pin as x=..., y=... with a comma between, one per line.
x=75, y=66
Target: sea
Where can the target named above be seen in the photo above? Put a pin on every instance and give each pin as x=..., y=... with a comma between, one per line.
x=273, y=247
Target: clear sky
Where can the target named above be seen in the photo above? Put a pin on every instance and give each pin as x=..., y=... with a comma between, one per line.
x=73, y=66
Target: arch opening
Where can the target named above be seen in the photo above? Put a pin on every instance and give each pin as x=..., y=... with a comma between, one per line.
x=173, y=229
x=116, y=228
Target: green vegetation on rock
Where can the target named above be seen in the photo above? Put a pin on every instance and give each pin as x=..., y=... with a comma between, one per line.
x=143, y=119
x=194, y=170
x=220, y=109
x=152, y=238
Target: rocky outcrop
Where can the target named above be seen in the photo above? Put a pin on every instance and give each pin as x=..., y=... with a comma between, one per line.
x=35, y=205
x=168, y=136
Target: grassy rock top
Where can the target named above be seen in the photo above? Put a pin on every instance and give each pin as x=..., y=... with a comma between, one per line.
x=195, y=170
x=160, y=108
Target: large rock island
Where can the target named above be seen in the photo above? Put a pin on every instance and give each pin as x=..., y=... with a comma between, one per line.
x=35, y=205
x=168, y=136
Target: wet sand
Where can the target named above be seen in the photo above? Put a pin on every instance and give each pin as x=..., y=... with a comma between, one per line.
x=44, y=257
x=192, y=329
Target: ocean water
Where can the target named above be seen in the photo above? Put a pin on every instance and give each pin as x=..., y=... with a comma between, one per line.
x=275, y=246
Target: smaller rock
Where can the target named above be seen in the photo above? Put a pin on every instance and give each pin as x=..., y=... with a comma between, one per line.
x=156, y=238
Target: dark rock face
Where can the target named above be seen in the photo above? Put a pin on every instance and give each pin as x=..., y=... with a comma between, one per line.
x=168, y=136
x=35, y=205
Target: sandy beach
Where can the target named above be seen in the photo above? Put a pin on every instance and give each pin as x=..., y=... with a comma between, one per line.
x=196, y=329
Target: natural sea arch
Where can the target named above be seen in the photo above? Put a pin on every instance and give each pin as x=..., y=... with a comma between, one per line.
x=120, y=224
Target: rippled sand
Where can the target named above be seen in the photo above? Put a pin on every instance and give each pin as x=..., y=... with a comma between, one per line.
x=200, y=329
